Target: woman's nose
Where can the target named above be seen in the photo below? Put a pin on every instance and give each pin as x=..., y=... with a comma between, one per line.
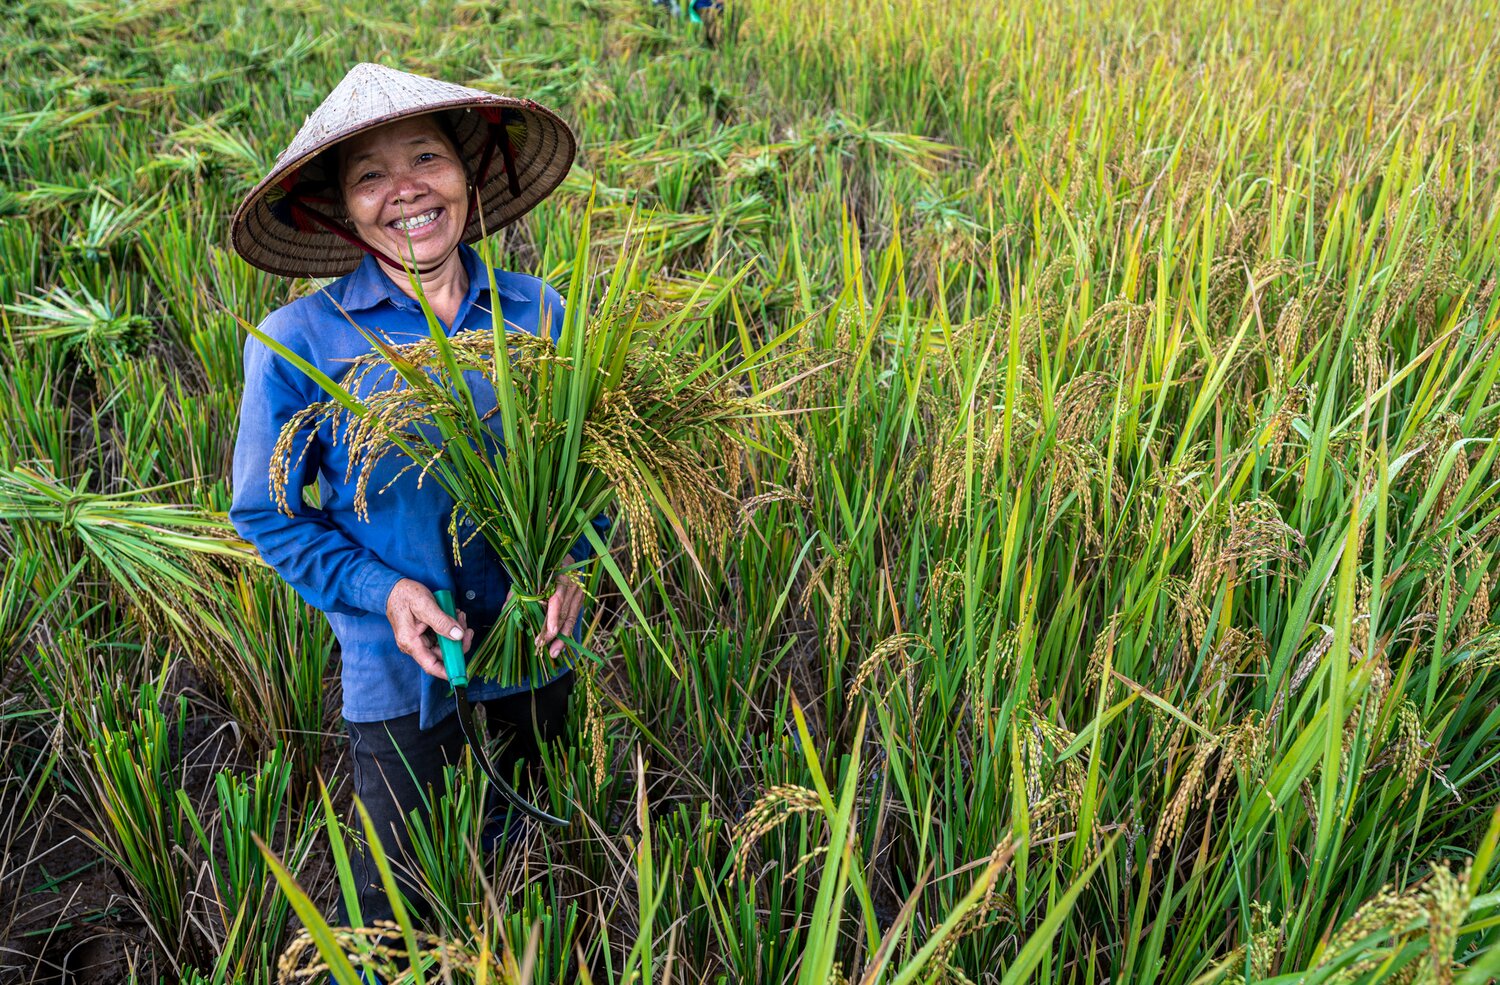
x=406, y=185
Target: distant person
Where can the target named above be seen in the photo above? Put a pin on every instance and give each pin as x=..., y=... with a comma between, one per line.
x=695, y=8
x=394, y=169
x=705, y=12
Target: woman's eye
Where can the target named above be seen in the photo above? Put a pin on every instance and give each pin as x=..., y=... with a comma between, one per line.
x=423, y=157
x=368, y=175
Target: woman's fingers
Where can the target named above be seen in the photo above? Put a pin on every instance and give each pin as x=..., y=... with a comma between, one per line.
x=555, y=609
x=549, y=626
x=463, y=622
x=572, y=603
x=412, y=612
x=575, y=603
x=412, y=638
x=562, y=612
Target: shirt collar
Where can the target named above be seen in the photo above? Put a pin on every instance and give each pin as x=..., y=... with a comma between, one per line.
x=367, y=284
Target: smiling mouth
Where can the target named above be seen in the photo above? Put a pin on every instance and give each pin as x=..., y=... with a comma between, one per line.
x=416, y=221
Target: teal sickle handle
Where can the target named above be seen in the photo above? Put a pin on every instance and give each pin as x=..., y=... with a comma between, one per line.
x=453, y=650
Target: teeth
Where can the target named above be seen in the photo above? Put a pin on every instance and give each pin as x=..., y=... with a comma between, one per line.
x=416, y=221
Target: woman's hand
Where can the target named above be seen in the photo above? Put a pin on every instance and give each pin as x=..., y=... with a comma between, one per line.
x=562, y=612
x=415, y=617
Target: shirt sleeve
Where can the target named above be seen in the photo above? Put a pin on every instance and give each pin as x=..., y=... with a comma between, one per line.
x=327, y=568
x=552, y=316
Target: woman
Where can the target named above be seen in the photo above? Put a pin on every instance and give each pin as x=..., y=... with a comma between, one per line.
x=394, y=171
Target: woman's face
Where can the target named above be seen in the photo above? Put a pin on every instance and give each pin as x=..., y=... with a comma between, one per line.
x=403, y=182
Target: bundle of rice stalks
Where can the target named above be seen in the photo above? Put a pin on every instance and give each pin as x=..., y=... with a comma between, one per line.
x=107, y=230
x=162, y=557
x=95, y=331
x=621, y=410
x=846, y=134
x=211, y=146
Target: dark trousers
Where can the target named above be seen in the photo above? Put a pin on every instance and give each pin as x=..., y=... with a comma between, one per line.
x=395, y=760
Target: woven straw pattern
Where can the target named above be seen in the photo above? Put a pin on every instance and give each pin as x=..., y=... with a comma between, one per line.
x=372, y=95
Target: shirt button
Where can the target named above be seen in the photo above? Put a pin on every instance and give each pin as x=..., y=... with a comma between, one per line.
x=469, y=595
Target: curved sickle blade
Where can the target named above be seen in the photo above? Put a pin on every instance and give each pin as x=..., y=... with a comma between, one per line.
x=471, y=735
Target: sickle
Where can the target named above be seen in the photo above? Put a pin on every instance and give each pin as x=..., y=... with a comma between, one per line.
x=458, y=675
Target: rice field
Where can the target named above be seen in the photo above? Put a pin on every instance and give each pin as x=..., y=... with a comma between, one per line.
x=1109, y=599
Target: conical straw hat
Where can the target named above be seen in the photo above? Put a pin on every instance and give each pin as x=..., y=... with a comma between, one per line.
x=281, y=225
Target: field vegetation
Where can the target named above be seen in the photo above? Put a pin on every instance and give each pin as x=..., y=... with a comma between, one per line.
x=1112, y=602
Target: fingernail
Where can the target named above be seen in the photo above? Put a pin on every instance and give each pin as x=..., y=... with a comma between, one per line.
x=456, y=633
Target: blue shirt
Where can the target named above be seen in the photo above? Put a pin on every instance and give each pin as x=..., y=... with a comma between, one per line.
x=337, y=562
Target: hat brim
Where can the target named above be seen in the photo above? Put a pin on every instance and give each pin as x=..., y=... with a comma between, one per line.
x=543, y=146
